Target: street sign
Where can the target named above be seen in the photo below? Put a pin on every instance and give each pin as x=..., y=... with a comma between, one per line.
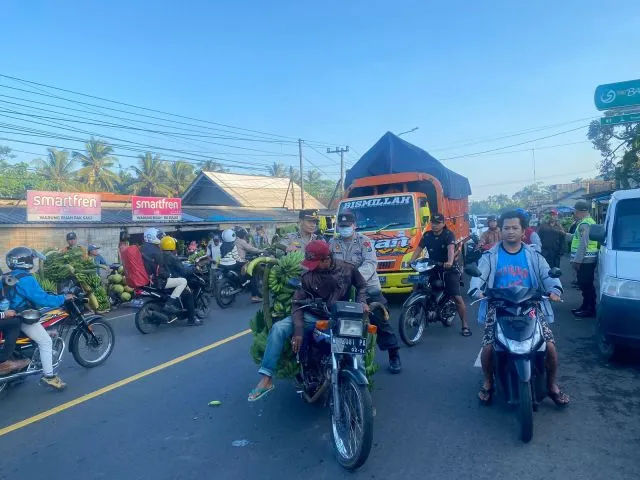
x=617, y=95
x=616, y=119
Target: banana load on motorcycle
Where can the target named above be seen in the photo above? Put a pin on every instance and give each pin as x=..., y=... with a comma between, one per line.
x=308, y=330
x=48, y=321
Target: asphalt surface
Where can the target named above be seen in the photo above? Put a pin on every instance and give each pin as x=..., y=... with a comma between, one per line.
x=428, y=422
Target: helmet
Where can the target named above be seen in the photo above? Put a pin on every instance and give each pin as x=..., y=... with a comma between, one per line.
x=228, y=235
x=22, y=257
x=241, y=232
x=153, y=235
x=522, y=211
x=168, y=244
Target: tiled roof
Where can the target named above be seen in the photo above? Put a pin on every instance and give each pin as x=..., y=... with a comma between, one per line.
x=261, y=191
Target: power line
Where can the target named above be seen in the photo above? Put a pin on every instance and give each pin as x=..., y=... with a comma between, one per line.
x=151, y=109
x=539, y=178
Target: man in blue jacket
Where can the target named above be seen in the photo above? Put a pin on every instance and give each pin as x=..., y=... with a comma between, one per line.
x=27, y=293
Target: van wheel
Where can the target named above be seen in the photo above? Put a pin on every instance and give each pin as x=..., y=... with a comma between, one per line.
x=606, y=347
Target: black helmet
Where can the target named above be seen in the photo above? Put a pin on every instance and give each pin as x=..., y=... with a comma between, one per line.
x=22, y=257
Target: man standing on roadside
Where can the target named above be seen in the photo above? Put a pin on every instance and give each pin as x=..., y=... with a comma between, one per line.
x=584, y=258
x=307, y=227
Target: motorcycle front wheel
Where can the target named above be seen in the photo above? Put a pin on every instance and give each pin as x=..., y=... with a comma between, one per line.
x=525, y=411
x=412, y=323
x=92, y=348
x=224, y=294
x=353, y=431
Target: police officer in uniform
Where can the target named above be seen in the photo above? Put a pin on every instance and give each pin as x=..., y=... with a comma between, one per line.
x=584, y=258
x=356, y=248
x=308, y=224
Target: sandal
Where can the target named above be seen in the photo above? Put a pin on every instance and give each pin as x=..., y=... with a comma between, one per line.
x=258, y=393
x=486, y=396
x=560, y=398
x=465, y=332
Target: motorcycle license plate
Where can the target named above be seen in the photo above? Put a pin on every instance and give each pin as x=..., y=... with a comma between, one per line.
x=137, y=303
x=354, y=346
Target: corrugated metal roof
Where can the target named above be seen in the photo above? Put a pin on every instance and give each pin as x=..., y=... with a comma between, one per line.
x=262, y=192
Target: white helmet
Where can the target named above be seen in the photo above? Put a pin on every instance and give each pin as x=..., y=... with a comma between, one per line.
x=153, y=235
x=229, y=235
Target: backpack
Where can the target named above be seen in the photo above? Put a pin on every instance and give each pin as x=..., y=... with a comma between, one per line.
x=133, y=265
x=8, y=286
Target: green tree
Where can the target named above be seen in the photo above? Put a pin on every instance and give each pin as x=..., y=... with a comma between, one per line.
x=614, y=142
x=212, y=166
x=151, y=176
x=97, y=163
x=533, y=195
x=577, y=180
x=493, y=204
x=278, y=169
x=313, y=176
x=59, y=169
x=124, y=182
x=179, y=177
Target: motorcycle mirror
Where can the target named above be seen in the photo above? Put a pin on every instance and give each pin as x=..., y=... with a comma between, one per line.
x=472, y=271
x=555, y=272
x=294, y=282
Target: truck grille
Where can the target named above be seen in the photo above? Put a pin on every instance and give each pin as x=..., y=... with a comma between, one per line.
x=386, y=264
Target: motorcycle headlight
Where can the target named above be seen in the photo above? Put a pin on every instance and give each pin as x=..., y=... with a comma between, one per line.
x=617, y=287
x=518, y=347
x=350, y=328
x=421, y=267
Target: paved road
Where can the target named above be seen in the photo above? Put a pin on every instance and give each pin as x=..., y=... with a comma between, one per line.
x=428, y=423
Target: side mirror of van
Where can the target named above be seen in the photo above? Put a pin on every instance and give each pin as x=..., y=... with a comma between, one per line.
x=597, y=233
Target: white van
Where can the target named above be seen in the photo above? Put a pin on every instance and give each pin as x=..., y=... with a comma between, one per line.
x=619, y=272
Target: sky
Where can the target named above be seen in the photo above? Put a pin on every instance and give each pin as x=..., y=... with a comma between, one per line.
x=472, y=76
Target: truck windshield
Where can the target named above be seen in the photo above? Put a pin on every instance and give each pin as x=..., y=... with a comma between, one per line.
x=375, y=213
x=626, y=231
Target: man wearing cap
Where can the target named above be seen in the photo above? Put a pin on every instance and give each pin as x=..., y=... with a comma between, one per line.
x=440, y=243
x=307, y=227
x=98, y=259
x=490, y=237
x=584, y=258
x=328, y=279
x=72, y=242
x=356, y=249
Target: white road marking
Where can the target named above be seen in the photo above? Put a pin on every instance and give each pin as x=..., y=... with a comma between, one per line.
x=120, y=316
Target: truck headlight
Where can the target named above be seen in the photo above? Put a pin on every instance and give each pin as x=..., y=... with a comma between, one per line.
x=350, y=328
x=621, y=288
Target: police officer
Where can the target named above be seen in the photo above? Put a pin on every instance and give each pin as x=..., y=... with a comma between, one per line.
x=356, y=248
x=584, y=258
x=308, y=224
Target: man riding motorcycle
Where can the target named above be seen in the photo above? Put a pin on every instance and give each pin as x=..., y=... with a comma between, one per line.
x=176, y=269
x=512, y=262
x=244, y=247
x=491, y=236
x=356, y=249
x=155, y=266
x=10, y=328
x=328, y=279
x=27, y=293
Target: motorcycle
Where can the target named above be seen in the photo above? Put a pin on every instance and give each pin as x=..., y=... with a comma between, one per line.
x=229, y=283
x=428, y=303
x=91, y=338
x=519, y=348
x=332, y=371
x=150, y=302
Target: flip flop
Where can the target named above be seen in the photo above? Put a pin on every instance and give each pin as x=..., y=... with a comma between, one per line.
x=466, y=332
x=560, y=398
x=258, y=393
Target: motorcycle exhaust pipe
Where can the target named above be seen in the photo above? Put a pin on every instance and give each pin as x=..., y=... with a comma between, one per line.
x=317, y=395
x=159, y=316
x=18, y=375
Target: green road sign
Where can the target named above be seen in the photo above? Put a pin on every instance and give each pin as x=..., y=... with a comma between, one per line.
x=617, y=95
x=616, y=119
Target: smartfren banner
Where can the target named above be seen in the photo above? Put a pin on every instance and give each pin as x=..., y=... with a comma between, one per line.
x=156, y=209
x=63, y=207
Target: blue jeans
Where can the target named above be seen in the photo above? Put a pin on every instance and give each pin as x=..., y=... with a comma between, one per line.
x=281, y=331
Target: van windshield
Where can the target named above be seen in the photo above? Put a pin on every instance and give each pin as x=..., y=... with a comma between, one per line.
x=375, y=213
x=626, y=231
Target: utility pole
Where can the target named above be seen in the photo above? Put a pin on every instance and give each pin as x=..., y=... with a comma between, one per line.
x=341, y=151
x=301, y=173
x=533, y=154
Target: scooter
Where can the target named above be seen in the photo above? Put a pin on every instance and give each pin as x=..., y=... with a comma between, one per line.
x=519, y=348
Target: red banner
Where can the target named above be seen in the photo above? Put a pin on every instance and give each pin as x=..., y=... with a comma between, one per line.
x=63, y=207
x=157, y=209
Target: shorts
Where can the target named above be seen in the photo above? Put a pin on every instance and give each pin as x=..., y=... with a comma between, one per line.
x=489, y=336
x=452, y=280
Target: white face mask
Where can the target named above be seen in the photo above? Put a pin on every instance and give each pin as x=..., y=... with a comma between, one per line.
x=345, y=231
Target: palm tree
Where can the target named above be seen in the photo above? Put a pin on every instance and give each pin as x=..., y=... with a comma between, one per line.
x=125, y=180
x=97, y=163
x=278, y=169
x=151, y=176
x=179, y=177
x=313, y=176
x=212, y=166
x=294, y=174
x=58, y=169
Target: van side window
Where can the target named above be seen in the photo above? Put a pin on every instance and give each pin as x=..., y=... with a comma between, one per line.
x=626, y=227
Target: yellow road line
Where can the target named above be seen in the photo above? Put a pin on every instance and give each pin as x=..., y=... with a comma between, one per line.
x=118, y=384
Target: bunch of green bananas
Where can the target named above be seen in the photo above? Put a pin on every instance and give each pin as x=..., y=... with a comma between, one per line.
x=288, y=267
